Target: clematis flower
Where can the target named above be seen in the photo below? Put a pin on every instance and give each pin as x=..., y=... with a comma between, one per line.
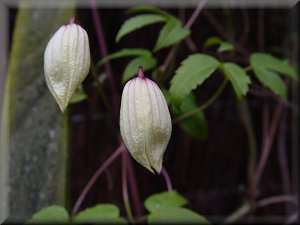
x=145, y=121
x=66, y=62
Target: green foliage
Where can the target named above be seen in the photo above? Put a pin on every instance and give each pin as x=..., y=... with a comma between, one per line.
x=166, y=207
x=269, y=62
x=148, y=62
x=78, y=96
x=266, y=69
x=102, y=213
x=196, y=125
x=126, y=52
x=51, y=214
x=193, y=72
x=176, y=216
x=149, y=9
x=137, y=22
x=223, y=45
x=238, y=78
x=164, y=200
x=170, y=34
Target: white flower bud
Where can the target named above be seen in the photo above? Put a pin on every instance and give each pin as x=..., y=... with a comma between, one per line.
x=66, y=62
x=145, y=121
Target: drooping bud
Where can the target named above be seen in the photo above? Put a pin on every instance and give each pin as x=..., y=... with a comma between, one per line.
x=66, y=62
x=145, y=121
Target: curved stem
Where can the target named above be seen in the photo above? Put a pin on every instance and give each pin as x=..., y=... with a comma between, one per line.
x=124, y=187
x=92, y=181
x=204, y=105
x=266, y=149
x=277, y=199
x=167, y=179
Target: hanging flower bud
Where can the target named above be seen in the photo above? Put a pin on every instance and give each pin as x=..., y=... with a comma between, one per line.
x=66, y=62
x=145, y=121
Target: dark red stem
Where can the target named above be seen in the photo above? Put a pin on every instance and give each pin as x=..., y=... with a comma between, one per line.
x=104, y=52
x=94, y=178
x=141, y=72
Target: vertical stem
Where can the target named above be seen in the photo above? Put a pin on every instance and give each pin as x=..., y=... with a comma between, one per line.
x=266, y=149
x=261, y=30
x=134, y=191
x=124, y=187
x=104, y=52
x=167, y=179
x=282, y=159
x=246, y=119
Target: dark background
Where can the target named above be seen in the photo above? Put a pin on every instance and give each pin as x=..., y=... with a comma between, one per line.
x=212, y=173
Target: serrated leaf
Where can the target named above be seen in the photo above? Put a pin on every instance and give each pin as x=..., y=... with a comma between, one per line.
x=98, y=214
x=52, y=214
x=164, y=200
x=192, y=72
x=225, y=47
x=176, y=216
x=170, y=34
x=269, y=62
x=271, y=80
x=126, y=52
x=138, y=22
x=238, y=78
x=211, y=41
x=131, y=69
x=150, y=9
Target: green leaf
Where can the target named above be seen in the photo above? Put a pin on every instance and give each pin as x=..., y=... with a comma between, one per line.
x=51, y=214
x=176, y=216
x=167, y=95
x=271, y=80
x=150, y=9
x=170, y=34
x=211, y=41
x=225, y=47
x=98, y=214
x=195, y=126
x=137, y=22
x=131, y=69
x=238, y=78
x=78, y=96
x=193, y=72
x=126, y=52
x=164, y=200
x=269, y=62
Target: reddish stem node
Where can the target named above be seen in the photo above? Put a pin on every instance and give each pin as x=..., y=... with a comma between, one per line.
x=72, y=20
x=141, y=72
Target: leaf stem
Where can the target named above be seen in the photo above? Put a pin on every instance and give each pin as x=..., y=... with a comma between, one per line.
x=248, y=68
x=203, y=106
x=167, y=179
x=94, y=178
